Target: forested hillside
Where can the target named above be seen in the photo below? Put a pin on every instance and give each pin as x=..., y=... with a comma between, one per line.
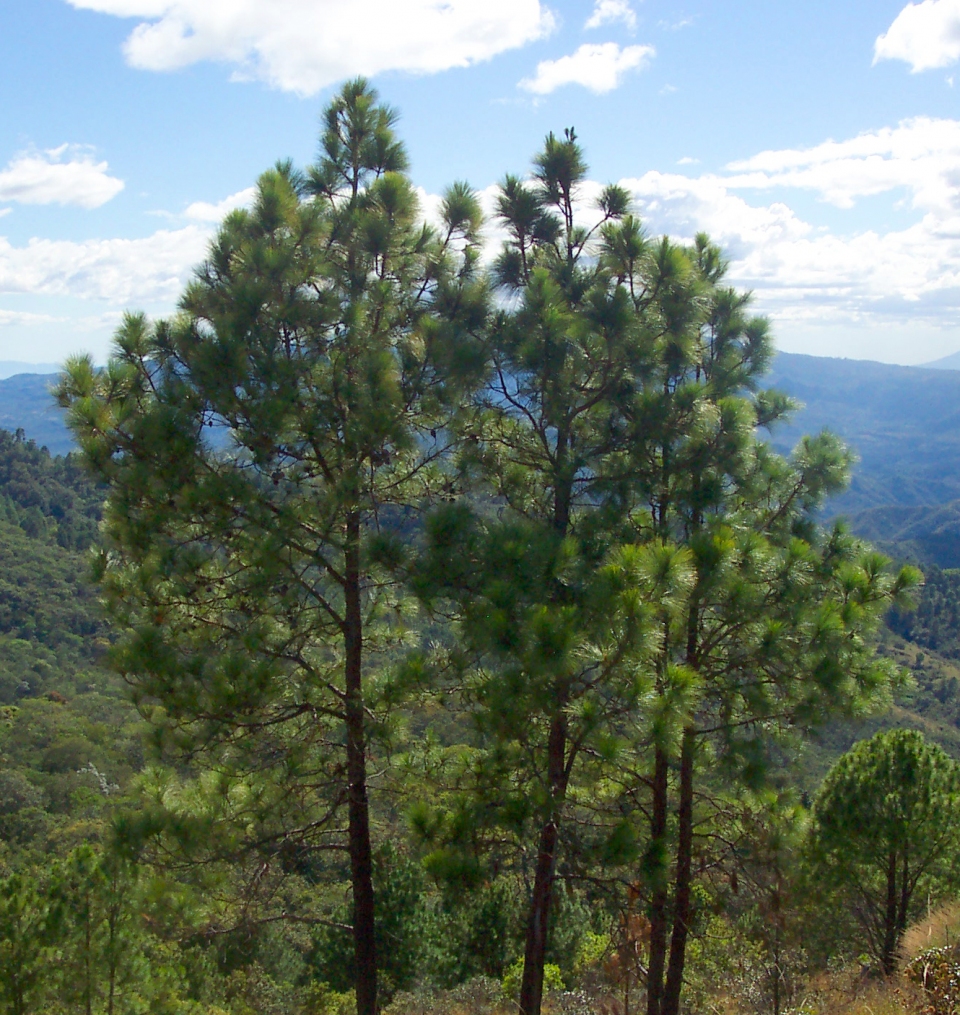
x=70, y=744
x=26, y=404
x=498, y=662
x=903, y=423
x=69, y=741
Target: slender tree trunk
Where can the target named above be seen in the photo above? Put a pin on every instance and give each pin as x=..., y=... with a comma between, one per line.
x=88, y=962
x=776, y=982
x=890, y=918
x=538, y=924
x=361, y=856
x=684, y=877
x=777, y=938
x=538, y=921
x=114, y=960
x=904, y=897
x=658, y=904
x=111, y=995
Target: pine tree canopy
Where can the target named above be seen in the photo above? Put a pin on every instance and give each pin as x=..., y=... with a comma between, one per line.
x=361, y=469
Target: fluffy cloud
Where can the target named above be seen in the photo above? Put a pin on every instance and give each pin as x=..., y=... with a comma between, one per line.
x=607, y=12
x=64, y=175
x=19, y=318
x=201, y=211
x=599, y=67
x=802, y=273
x=805, y=273
x=921, y=156
x=304, y=45
x=925, y=35
x=122, y=272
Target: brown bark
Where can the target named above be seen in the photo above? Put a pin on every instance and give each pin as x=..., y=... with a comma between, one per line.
x=535, y=951
x=904, y=897
x=361, y=855
x=88, y=959
x=890, y=917
x=670, y=1005
x=658, y=904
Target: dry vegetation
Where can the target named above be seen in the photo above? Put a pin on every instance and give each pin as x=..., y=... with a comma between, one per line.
x=928, y=983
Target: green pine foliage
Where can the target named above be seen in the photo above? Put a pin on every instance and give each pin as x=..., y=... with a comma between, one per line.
x=886, y=825
x=463, y=632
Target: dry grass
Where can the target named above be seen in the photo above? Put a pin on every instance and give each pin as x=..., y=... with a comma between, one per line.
x=940, y=930
x=855, y=993
x=484, y=997
x=852, y=994
x=851, y=991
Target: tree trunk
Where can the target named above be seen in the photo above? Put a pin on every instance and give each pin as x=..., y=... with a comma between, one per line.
x=658, y=903
x=88, y=958
x=538, y=924
x=777, y=908
x=904, y=897
x=113, y=962
x=890, y=917
x=361, y=858
x=670, y=1004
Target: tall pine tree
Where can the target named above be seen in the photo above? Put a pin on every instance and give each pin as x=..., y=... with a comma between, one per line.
x=258, y=448
x=621, y=431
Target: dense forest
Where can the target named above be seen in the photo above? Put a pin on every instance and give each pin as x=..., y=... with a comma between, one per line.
x=415, y=635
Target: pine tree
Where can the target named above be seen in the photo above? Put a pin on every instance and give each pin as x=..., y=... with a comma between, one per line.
x=621, y=424
x=775, y=633
x=885, y=828
x=25, y=943
x=259, y=449
x=552, y=628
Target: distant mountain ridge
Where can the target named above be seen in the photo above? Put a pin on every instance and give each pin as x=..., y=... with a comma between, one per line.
x=903, y=423
x=951, y=362
x=10, y=367
x=928, y=534
x=26, y=403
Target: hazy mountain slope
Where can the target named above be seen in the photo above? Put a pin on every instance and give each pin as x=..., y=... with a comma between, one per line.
x=26, y=403
x=951, y=362
x=903, y=422
x=928, y=534
x=9, y=367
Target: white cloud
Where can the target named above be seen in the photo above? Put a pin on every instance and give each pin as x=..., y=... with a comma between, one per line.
x=305, y=45
x=606, y=12
x=202, y=211
x=64, y=175
x=687, y=160
x=599, y=67
x=800, y=273
x=122, y=272
x=921, y=156
x=925, y=35
x=806, y=274
x=19, y=318
x=675, y=26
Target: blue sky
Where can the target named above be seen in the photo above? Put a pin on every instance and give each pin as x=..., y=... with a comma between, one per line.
x=818, y=142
